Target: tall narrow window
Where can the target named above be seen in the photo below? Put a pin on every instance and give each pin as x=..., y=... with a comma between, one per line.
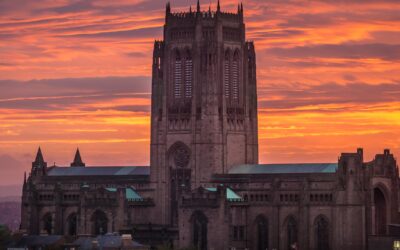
x=291, y=234
x=188, y=76
x=199, y=230
x=322, y=234
x=178, y=77
x=48, y=223
x=262, y=233
x=226, y=75
x=235, y=76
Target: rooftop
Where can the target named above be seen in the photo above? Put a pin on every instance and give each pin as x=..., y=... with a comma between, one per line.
x=98, y=171
x=295, y=168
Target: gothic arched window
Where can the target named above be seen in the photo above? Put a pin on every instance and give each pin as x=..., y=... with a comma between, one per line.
x=48, y=223
x=72, y=224
x=199, y=230
x=262, y=233
x=291, y=233
x=227, y=74
x=380, y=212
x=188, y=75
x=322, y=234
x=100, y=222
x=178, y=76
x=235, y=76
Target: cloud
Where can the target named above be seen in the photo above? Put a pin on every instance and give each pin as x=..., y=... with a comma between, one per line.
x=132, y=33
x=353, y=94
x=53, y=94
x=349, y=51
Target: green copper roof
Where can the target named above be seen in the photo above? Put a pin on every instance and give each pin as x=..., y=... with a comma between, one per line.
x=98, y=171
x=130, y=193
x=284, y=168
x=230, y=194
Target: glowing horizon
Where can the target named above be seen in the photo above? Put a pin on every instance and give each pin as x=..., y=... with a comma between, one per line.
x=78, y=74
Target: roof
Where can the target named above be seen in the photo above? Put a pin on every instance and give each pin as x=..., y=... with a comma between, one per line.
x=284, y=168
x=130, y=193
x=96, y=171
x=104, y=241
x=230, y=194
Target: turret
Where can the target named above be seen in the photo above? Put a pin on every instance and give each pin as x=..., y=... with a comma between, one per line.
x=39, y=166
x=77, y=160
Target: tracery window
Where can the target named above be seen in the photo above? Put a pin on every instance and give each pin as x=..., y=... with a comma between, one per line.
x=291, y=234
x=48, y=223
x=178, y=76
x=262, y=233
x=199, y=230
x=100, y=223
x=72, y=224
x=188, y=75
x=227, y=74
x=322, y=234
x=235, y=76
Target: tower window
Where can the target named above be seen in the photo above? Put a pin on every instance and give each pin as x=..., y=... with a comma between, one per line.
x=178, y=77
x=235, y=77
x=188, y=76
x=226, y=75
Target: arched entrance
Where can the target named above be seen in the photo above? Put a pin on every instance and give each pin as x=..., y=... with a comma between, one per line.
x=261, y=225
x=199, y=230
x=100, y=222
x=48, y=223
x=72, y=222
x=291, y=233
x=380, y=212
x=321, y=233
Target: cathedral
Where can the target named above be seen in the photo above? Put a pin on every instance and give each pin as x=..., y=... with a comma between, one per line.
x=204, y=188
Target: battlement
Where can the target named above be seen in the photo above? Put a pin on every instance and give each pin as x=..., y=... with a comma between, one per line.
x=204, y=15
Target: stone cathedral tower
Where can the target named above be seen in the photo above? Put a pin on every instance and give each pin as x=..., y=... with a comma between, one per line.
x=204, y=102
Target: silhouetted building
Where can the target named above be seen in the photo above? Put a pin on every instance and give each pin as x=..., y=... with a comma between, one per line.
x=204, y=186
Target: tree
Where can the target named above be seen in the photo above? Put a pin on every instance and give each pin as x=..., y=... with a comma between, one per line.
x=5, y=236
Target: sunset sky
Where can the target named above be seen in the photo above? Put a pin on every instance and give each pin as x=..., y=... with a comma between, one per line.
x=77, y=74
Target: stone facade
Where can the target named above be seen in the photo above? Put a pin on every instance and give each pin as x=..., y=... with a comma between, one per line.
x=204, y=187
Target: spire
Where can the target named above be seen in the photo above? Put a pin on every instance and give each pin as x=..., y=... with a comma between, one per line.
x=39, y=166
x=209, y=9
x=39, y=156
x=238, y=8
x=241, y=7
x=218, y=7
x=77, y=160
x=198, y=6
x=168, y=8
x=190, y=9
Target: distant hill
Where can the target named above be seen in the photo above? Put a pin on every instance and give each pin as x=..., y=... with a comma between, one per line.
x=10, y=214
x=10, y=191
x=10, y=206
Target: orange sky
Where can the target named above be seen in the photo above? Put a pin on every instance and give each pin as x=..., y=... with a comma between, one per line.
x=77, y=73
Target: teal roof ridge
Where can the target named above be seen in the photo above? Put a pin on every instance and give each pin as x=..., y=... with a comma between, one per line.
x=281, y=168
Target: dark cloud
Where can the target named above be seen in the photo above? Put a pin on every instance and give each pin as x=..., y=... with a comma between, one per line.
x=299, y=95
x=349, y=51
x=72, y=6
x=273, y=34
x=132, y=33
x=53, y=94
x=136, y=54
